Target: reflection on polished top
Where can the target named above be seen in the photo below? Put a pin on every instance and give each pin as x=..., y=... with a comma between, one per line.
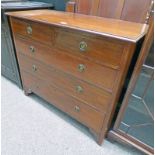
x=104, y=26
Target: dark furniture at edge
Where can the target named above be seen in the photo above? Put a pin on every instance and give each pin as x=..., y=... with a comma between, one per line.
x=9, y=63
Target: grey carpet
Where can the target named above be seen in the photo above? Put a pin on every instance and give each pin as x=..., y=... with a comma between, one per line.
x=30, y=126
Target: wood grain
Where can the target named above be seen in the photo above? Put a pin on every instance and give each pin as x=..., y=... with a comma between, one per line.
x=108, y=8
x=106, y=51
x=84, y=6
x=86, y=115
x=128, y=53
x=110, y=48
x=106, y=27
x=69, y=64
x=42, y=33
x=91, y=95
x=129, y=10
x=135, y=11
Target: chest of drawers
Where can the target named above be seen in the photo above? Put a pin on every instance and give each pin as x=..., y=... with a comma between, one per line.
x=76, y=62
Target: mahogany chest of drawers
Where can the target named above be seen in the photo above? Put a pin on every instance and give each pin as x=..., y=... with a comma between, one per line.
x=76, y=62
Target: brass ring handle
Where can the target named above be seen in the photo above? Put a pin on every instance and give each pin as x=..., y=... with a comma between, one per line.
x=29, y=29
x=77, y=108
x=83, y=46
x=79, y=89
x=34, y=68
x=81, y=67
x=32, y=49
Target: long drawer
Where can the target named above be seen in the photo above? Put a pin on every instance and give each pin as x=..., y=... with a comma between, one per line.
x=86, y=70
x=82, y=112
x=100, y=49
x=87, y=93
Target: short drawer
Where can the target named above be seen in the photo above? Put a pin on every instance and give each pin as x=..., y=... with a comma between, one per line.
x=87, y=93
x=38, y=32
x=78, y=110
x=103, y=50
x=93, y=73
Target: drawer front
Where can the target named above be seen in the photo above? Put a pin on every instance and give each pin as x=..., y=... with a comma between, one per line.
x=86, y=70
x=102, y=50
x=87, y=93
x=83, y=113
x=105, y=51
x=38, y=32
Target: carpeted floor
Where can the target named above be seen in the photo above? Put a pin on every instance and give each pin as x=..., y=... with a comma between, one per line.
x=30, y=126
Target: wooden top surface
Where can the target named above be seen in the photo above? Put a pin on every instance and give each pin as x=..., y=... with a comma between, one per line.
x=104, y=26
